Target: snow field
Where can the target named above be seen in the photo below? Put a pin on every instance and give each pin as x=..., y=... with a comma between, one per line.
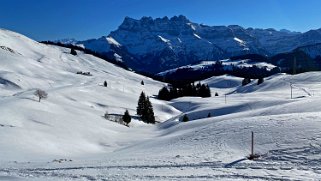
x=65, y=137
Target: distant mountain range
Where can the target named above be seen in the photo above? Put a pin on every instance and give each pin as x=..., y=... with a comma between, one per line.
x=155, y=45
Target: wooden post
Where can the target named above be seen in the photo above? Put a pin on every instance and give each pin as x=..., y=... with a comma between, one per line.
x=252, y=145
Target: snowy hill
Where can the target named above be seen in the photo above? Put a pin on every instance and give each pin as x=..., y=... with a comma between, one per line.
x=70, y=121
x=165, y=43
x=65, y=137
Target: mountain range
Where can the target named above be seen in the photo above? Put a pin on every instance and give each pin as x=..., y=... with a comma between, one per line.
x=154, y=45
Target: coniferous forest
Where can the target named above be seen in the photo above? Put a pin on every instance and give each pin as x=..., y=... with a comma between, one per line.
x=192, y=90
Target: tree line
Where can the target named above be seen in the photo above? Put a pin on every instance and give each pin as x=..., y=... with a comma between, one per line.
x=189, y=74
x=192, y=90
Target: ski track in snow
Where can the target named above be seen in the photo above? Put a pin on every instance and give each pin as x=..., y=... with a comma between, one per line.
x=202, y=171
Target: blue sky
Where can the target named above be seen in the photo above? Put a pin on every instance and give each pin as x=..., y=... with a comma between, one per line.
x=83, y=19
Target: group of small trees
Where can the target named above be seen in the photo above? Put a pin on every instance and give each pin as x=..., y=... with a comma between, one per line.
x=246, y=81
x=145, y=109
x=84, y=73
x=186, y=118
x=198, y=90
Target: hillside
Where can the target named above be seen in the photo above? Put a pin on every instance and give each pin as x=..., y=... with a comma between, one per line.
x=70, y=122
x=65, y=137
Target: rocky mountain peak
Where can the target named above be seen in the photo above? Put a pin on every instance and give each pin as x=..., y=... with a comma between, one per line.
x=170, y=42
x=180, y=19
x=150, y=23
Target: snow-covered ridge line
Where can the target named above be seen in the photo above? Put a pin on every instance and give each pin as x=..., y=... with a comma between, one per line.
x=227, y=64
x=183, y=42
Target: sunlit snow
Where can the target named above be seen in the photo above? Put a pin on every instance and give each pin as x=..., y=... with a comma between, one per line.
x=65, y=136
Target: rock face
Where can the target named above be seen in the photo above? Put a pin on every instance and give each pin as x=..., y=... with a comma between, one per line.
x=155, y=45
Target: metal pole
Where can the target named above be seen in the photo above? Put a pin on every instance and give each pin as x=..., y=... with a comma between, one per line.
x=252, y=144
x=291, y=90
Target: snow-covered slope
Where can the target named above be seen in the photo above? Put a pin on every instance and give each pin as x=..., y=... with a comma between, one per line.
x=65, y=137
x=167, y=43
x=287, y=136
x=70, y=122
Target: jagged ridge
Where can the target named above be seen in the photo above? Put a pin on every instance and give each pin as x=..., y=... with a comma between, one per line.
x=155, y=45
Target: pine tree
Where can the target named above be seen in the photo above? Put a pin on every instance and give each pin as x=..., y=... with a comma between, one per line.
x=208, y=91
x=173, y=93
x=145, y=109
x=203, y=92
x=164, y=94
x=141, y=103
x=73, y=52
x=105, y=84
x=246, y=81
x=126, y=117
x=198, y=88
x=209, y=115
x=260, y=81
x=142, y=83
x=185, y=118
x=188, y=90
x=148, y=112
